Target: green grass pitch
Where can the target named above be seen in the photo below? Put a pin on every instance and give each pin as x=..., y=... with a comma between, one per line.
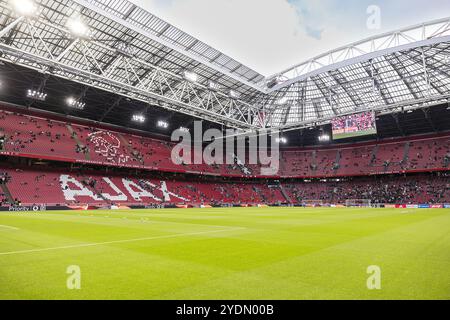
x=354, y=134
x=254, y=253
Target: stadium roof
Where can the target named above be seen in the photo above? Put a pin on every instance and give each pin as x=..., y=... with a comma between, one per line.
x=128, y=51
x=118, y=47
x=401, y=70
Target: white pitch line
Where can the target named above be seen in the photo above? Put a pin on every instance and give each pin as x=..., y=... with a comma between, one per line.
x=8, y=227
x=117, y=241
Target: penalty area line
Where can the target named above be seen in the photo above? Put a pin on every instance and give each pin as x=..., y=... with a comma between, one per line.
x=75, y=246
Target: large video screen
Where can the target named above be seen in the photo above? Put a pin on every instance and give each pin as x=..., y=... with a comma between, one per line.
x=356, y=125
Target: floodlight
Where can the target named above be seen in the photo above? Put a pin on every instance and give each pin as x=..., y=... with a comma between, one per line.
x=233, y=94
x=125, y=49
x=70, y=101
x=281, y=140
x=25, y=7
x=78, y=28
x=163, y=124
x=282, y=101
x=36, y=95
x=213, y=86
x=190, y=76
x=324, y=138
x=74, y=103
x=138, y=118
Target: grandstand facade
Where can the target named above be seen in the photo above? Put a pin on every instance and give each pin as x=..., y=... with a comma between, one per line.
x=97, y=166
x=92, y=89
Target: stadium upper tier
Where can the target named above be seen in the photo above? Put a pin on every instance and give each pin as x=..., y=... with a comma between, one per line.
x=118, y=47
x=30, y=136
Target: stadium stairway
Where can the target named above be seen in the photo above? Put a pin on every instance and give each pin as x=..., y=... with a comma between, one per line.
x=7, y=193
x=3, y=144
x=241, y=165
x=87, y=156
x=100, y=194
x=373, y=156
x=260, y=193
x=129, y=148
x=95, y=189
x=337, y=163
x=3, y=139
x=406, y=154
x=314, y=162
x=285, y=194
x=446, y=161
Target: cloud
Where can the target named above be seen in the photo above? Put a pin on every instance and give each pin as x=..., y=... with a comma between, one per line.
x=315, y=33
x=272, y=35
x=265, y=35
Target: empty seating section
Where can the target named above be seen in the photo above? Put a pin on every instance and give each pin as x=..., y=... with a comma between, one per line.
x=297, y=163
x=35, y=187
x=426, y=154
x=391, y=157
x=25, y=134
x=46, y=187
x=326, y=163
x=355, y=161
x=35, y=136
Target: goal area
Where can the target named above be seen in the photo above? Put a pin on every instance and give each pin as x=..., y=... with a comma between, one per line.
x=312, y=203
x=358, y=203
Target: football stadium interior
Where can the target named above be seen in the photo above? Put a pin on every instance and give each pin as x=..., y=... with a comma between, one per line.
x=90, y=94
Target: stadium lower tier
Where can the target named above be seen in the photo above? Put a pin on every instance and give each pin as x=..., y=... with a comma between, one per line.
x=62, y=188
x=29, y=187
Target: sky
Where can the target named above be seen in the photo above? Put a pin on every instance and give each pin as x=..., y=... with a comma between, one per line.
x=272, y=35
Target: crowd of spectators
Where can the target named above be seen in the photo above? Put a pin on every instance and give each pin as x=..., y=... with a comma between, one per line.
x=424, y=188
